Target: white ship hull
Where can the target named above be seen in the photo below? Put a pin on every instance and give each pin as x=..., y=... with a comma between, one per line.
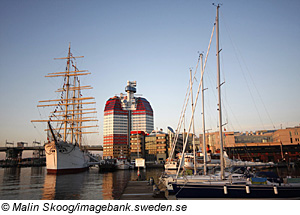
x=65, y=158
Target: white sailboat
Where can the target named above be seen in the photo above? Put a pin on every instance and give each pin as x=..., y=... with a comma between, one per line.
x=228, y=184
x=63, y=149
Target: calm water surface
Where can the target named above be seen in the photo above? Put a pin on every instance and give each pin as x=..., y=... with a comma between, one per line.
x=34, y=183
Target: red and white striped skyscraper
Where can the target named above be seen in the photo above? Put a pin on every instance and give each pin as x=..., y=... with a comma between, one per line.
x=123, y=114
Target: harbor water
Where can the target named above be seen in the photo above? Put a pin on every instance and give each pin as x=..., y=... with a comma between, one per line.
x=33, y=183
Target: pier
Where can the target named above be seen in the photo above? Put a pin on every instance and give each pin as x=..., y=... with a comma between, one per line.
x=141, y=190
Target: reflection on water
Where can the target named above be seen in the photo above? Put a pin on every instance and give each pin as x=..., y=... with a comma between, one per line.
x=114, y=183
x=21, y=183
x=49, y=187
x=63, y=186
x=10, y=181
x=35, y=183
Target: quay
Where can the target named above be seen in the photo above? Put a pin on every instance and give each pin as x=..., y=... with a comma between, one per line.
x=142, y=190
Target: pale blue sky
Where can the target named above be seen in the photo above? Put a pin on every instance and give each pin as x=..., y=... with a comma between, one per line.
x=155, y=43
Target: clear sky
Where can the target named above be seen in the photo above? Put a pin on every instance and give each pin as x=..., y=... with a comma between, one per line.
x=154, y=43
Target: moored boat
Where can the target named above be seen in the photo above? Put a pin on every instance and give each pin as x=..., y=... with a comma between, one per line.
x=63, y=149
x=240, y=190
x=122, y=163
x=62, y=157
x=224, y=185
x=171, y=164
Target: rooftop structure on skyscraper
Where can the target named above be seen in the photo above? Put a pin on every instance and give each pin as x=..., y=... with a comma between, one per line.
x=128, y=102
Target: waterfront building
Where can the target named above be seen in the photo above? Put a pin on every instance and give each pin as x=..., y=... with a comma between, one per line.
x=190, y=147
x=213, y=140
x=137, y=145
x=267, y=138
x=178, y=145
x=288, y=136
x=156, y=146
x=267, y=145
x=161, y=145
x=152, y=147
x=123, y=114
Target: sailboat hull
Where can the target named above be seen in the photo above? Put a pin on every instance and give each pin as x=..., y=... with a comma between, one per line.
x=65, y=158
x=237, y=191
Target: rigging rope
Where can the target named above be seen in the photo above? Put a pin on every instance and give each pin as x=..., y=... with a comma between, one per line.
x=238, y=53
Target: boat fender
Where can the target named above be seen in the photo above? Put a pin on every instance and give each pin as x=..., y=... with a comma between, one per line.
x=247, y=189
x=275, y=190
x=225, y=190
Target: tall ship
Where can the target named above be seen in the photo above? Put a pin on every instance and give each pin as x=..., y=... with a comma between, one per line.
x=64, y=152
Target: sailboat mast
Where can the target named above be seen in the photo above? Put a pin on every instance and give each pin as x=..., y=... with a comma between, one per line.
x=194, y=148
x=219, y=94
x=67, y=93
x=203, y=121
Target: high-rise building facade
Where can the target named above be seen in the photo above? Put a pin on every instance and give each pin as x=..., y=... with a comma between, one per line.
x=115, y=127
x=123, y=114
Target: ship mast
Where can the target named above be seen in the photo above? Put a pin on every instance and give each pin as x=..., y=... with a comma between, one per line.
x=75, y=107
x=70, y=115
x=67, y=96
x=219, y=95
x=79, y=124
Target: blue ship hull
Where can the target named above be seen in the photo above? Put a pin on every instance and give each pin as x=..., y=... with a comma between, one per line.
x=207, y=191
